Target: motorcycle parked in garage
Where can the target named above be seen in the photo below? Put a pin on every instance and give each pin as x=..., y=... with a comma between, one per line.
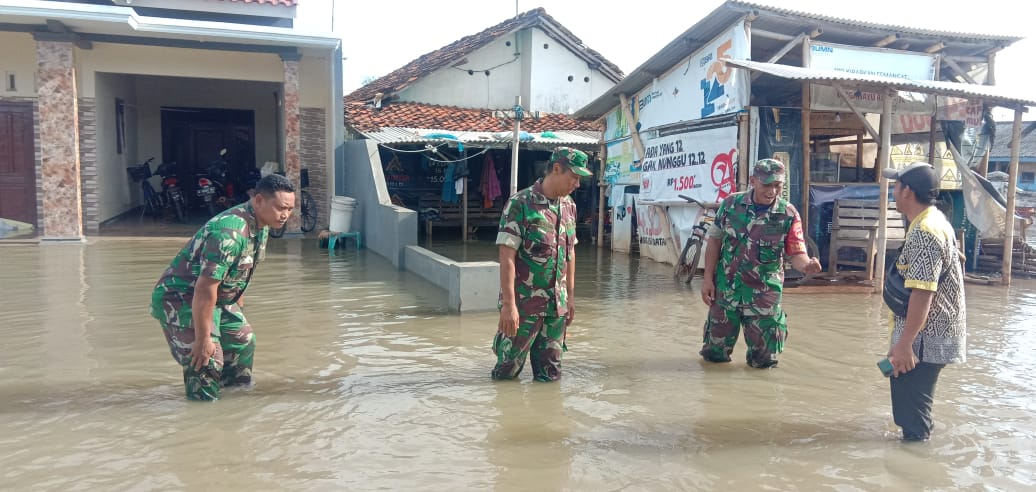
x=172, y=194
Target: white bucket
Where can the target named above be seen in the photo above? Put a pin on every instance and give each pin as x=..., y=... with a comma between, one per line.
x=341, y=213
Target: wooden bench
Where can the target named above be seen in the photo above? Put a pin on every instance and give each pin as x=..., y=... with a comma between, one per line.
x=451, y=214
x=854, y=224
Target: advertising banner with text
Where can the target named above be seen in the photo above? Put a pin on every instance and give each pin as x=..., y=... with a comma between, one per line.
x=869, y=61
x=654, y=234
x=700, y=164
x=700, y=87
x=622, y=165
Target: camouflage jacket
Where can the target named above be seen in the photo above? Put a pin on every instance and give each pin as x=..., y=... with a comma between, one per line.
x=544, y=234
x=227, y=248
x=750, y=273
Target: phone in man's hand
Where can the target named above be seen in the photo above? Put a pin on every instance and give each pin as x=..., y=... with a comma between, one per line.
x=886, y=367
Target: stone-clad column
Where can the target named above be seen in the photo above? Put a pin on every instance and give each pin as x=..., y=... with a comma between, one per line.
x=59, y=141
x=292, y=137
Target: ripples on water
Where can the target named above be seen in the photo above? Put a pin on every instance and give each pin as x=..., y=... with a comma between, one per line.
x=364, y=382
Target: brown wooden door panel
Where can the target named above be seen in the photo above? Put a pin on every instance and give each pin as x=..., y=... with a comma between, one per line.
x=17, y=163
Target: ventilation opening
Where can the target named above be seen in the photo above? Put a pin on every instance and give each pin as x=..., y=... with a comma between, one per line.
x=10, y=82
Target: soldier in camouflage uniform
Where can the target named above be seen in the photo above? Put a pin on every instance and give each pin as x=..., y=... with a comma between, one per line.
x=744, y=268
x=537, y=241
x=198, y=299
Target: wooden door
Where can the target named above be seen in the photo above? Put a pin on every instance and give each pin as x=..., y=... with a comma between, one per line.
x=17, y=163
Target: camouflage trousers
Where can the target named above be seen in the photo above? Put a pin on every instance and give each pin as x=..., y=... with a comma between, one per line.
x=541, y=338
x=230, y=364
x=764, y=335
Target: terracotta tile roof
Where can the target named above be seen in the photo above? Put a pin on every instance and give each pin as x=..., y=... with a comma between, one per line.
x=364, y=118
x=451, y=53
x=283, y=3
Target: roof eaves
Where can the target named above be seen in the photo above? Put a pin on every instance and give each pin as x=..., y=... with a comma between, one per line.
x=987, y=93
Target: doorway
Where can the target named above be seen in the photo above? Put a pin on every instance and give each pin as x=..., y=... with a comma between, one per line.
x=193, y=138
x=17, y=163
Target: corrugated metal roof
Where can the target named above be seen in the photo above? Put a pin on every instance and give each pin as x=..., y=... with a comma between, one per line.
x=1001, y=150
x=397, y=135
x=873, y=25
x=991, y=94
x=789, y=23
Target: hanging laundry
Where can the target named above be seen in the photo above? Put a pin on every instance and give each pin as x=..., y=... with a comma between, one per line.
x=489, y=184
x=449, y=193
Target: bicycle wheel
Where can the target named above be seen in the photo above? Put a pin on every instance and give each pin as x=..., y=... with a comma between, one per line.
x=153, y=204
x=687, y=265
x=308, y=212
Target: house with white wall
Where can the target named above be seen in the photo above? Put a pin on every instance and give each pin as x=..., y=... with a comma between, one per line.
x=460, y=100
x=92, y=88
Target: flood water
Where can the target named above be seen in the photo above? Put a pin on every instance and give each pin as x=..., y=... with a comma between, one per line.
x=364, y=382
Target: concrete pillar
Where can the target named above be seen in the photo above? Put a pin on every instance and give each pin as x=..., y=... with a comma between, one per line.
x=292, y=134
x=59, y=138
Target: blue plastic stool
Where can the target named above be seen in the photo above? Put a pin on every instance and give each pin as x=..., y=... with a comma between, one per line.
x=333, y=238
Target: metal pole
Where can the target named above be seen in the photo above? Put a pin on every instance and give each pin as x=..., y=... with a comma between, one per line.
x=883, y=187
x=1012, y=190
x=514, y=146
x=464, y=201
x=602, y=159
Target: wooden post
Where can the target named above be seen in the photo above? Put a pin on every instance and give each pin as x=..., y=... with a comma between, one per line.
x=806, y=115
x=859, y=157
x=1012, y=190
x=743, y=141
x=464, y=200
x=884, y=156
x=934, y=118
x=601, y=186
x=514, y=148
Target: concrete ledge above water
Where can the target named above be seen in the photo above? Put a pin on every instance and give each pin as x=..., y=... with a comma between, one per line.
x=472, y=285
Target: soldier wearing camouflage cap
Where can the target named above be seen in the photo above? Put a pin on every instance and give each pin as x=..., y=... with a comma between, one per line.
x=754, y=231
x=537, y=241
x=198, y=299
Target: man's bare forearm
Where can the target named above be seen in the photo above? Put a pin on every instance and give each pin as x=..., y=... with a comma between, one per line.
x=711, y=258
x=203, y=305
x=507, y=275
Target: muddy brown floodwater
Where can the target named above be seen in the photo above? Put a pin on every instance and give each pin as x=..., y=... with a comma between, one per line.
x=365, y=382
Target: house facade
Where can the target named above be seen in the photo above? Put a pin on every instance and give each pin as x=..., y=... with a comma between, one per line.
x=95, y=87
x=1000, y=154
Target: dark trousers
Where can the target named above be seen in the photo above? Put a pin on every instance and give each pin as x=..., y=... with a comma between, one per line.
x=912, y=395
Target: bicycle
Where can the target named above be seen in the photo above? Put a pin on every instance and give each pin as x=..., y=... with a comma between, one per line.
x=687, y=265
x=307, y=207
x=153, y=203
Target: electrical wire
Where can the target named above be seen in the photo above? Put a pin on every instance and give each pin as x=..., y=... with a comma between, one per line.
x=433, y=148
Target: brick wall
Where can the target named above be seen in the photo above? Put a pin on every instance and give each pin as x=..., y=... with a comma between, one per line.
x=88, y=164
x=313, y=154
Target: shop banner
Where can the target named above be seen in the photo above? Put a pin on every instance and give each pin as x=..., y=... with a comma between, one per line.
x=616, y=126
x=655, y=234
x=870, y=61
x=622, y=224
x=699, y=87
x=622, y=166
x=700, y=164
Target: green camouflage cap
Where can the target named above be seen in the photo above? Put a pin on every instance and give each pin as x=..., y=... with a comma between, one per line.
x=574, y=159
x=769, y=171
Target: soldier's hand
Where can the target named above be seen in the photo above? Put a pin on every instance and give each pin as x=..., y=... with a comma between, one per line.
x=201, y=352
x=708, y=291
x=571, y=313
x=508, y=324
